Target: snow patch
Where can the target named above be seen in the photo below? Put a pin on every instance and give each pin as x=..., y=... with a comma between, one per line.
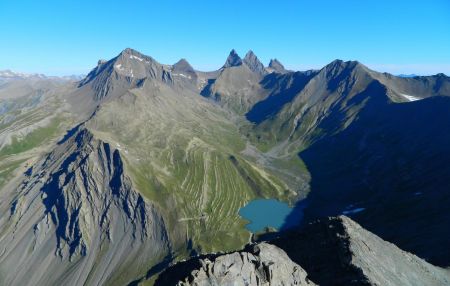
x=353, y=211
x=182, y=75
x=410, y=97
x=136, y=58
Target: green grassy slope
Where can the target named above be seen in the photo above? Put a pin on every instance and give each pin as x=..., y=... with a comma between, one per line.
x=184, y=154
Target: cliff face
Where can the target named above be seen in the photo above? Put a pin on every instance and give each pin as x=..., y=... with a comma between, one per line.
x=76, y=213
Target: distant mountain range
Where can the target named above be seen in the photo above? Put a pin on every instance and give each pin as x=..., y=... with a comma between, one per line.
x=407, y=75
x=112, y=178
x=10, y=75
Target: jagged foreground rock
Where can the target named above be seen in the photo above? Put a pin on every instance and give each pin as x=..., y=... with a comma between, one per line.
x=338, y=251
x=332, y=251
x=259, y=264
x=76, y=220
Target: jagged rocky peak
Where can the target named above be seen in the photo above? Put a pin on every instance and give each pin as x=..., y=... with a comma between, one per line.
x=252, y=61
x=275, y=65
x=258, y=264
x=233, y=60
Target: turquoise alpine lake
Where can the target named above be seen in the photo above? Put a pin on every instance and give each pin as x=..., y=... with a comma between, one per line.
x=264, y=213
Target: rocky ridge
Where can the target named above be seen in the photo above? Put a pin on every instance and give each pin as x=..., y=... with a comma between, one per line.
x=330, y=251
x=77, y=209
x=258, y=264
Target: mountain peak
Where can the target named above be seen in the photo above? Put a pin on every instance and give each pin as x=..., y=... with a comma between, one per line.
x=123, y=72
x=183, y=66
x=182, y=62
x=252, y=61
x=184, y=69
x=276, y=66
x=349, y=64
x=129, y=51
x=250, y=54
x=131, y=54
x=233, y=60
x=337, y=66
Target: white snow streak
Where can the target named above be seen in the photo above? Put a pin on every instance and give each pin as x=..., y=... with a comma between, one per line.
x=410, y=97
x=136, y=58
x=353, y=211
x=182, y=75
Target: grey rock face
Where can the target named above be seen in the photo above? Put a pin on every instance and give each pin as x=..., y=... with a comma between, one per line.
x=252, y=61
x=260, y=264
x=233, y=60
x=338, y=251
x=76, y=220
x=275, y=65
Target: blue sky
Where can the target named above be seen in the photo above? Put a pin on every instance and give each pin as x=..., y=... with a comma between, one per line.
x=68, y=37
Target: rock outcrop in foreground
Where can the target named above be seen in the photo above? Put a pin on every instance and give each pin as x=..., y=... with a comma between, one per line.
x=331, y=251
x=258, y=264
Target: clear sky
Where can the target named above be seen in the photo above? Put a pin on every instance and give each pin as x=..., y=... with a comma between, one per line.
x=69, y=36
